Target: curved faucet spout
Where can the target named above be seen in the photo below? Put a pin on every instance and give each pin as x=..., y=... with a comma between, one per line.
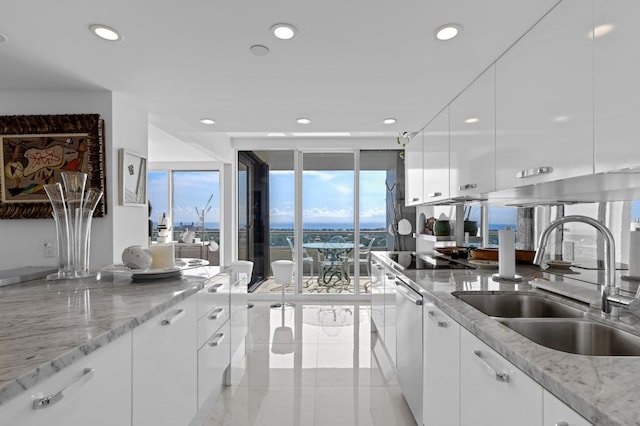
x=609, y=286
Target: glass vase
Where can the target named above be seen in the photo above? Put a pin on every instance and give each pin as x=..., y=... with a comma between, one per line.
x=56, y=196
x=83, y=231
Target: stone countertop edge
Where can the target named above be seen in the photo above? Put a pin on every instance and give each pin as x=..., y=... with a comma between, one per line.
x=604, y=390
x=13, y=388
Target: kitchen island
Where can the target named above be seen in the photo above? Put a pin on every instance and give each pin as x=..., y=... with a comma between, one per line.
x=602, y=389
x=46, y=327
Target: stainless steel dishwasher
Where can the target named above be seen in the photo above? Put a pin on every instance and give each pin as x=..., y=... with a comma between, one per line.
x=409, y=345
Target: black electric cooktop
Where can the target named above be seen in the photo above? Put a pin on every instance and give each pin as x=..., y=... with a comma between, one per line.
x=409, y=260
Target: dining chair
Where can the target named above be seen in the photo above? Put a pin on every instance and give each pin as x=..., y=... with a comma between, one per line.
x=306, y=259
x=363, y=257
x=333, y=263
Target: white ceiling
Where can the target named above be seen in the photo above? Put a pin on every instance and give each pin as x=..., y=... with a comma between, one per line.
x=354, y=62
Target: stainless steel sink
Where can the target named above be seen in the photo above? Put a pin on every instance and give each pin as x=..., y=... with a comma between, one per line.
x=576, y=336
x=509, y=305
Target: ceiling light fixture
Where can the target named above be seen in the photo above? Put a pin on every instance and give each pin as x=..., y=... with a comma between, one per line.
x=207, y=121
x=389, y=120
x=303, y=121
x=259, y=50
x=447, y=32
x=105, y=32
x=471, y=120
x=284, y=31
x=601, y=30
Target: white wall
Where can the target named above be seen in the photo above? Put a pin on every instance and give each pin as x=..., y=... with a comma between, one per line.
x=22, y=239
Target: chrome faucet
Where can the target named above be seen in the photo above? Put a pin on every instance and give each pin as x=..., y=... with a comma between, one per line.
x=608, y=291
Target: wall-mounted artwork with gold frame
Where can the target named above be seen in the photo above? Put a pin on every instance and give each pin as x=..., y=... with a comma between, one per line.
x=36, y=149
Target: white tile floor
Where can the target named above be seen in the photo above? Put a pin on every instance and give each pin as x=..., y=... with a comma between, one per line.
x=333, y=373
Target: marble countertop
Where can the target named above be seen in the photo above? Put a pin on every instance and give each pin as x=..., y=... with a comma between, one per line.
x=604, y=390
x=47, y=325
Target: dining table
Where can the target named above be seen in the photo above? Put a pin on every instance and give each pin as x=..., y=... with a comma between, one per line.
x=336, y=269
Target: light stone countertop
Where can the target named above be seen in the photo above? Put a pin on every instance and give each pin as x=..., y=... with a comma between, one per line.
x=47, y=325
x=604, y=390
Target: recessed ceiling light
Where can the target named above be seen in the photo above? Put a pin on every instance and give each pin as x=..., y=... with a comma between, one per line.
x=259, y=50
x=389, y=120
x=561, y=118
x=104, y=32
x=207, y=121
x=320, y=134
x=3, y=38
x=601, y=30
x=471, y=120
x=303, y=121
x=447, y=32
x=284, y=31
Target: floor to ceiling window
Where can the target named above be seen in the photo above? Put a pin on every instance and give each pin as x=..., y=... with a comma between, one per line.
x=190, y=200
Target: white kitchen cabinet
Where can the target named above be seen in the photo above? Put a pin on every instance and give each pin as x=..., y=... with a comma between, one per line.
x=617, y=94
x=557, y=413
x=377, y=297
x=544, y=100
x=492, y=390
x=214, y=357
x=441, y=391
x=473, y=138
x=435, y=158
x=165, y=367
x=413, y=172
x=101, y=397
x=390, y=331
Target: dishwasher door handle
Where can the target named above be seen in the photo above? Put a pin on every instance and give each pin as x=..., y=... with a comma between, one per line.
x=406, y=292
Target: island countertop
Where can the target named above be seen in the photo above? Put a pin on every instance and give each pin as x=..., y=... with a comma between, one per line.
x=603, y=389
x=47, y=325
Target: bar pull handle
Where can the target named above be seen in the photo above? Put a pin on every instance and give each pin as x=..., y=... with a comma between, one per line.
x=441, y=323
x=562, y=424
x=434, y=194
x=536, y=171
x=214, y=288
x=415, y=199
x=216, y=313
x=174, y=318
x=50, y=400
x=216, y=340
x=400, y=288
x=498, y=375
x=467, y=186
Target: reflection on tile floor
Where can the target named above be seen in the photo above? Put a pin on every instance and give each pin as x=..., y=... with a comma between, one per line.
x=332, y=371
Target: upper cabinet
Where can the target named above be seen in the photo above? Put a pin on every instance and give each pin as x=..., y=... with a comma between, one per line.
x=413, y=167
x=617, y=94
x=473, y=137
x=435, y=158
x=544, y=100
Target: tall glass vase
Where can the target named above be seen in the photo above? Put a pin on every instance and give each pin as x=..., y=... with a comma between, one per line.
x=72, y=211
x=56, y=196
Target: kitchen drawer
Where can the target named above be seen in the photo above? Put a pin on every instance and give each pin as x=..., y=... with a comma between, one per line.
x=215, y=293
x=211, y=322
x=213, y=359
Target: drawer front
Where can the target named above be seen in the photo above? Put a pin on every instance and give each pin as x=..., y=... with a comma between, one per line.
x=215, y=293
x=211, y=322
x=213, y=359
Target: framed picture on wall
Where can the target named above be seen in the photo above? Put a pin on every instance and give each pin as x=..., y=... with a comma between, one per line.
x=133, y=179
x=35, y=149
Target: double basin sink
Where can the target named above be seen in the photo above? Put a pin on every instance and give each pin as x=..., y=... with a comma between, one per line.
x=553, y=324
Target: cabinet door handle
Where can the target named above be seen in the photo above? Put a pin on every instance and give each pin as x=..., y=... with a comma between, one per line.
x=48, y=401
x=215, y=288
x=174, y=318
x=498, y=375
x=216, y=313
x=536, y=171
x=434, y=194
x=415, y=199
x=216, y=340
x=467, y=186
x=441, y=323
x=562, y=424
